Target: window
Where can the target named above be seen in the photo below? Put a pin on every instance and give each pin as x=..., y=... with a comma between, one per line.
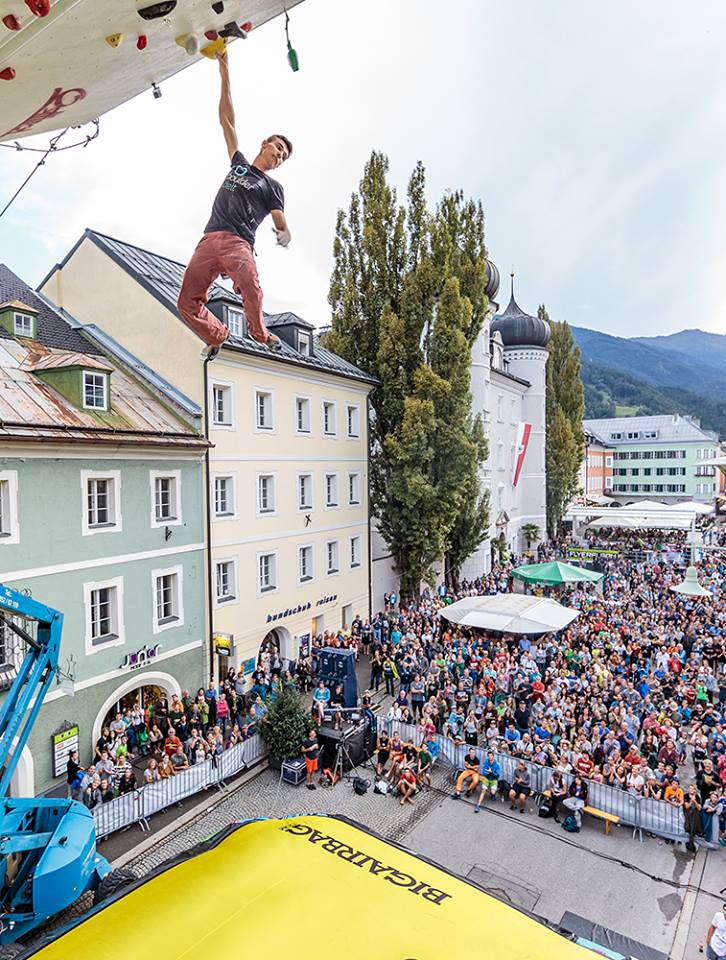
x=104, y=614
x=263, y=410
x=222, y=405
x=305, y=491
x=353, y=489
x=305, y=563
x=165, y=498
x=331, y=489
x=646, y=455
x=267, y=572
x=23, y=325
x=353, y=414
x=500, y=414
x=169, y=609
x=304, y=342
x=225, y=580
x=224, y=505
x=302, y=415
x=266, y=500
x=650, y=434
x=12, y=648
x=236, y=321
x=101, y=501
x=634, y=435
x=95, y=391
x=355, y=551
x=616, y=436
x=9, y=530
x=329, y=424
x=332, y=553
x=635, y=471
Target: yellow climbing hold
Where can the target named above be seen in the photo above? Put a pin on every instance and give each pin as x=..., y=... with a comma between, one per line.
x=215, y=48
x=114, y=39
x=189, y=42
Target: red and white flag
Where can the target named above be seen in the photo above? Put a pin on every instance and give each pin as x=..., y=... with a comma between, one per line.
x=523, y=432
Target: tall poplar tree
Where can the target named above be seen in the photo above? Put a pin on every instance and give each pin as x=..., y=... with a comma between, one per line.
x=565, y=447
x=407, y=297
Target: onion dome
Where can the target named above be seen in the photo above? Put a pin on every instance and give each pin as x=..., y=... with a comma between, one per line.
x=519, y=329
x=492, y=287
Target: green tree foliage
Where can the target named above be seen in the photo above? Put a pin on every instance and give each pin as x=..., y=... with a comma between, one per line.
x=565, y=412
x=407, y=297
x=286, y=725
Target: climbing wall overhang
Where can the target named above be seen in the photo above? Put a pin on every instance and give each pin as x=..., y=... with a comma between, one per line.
x=84, y=57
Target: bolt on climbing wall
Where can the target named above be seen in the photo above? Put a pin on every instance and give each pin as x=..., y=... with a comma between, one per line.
x=64, y=62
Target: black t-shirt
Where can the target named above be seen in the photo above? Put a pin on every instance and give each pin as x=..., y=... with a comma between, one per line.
x=244, y=200
x=310, y=754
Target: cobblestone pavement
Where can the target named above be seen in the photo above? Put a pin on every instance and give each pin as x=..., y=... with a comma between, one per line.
x=266, y=796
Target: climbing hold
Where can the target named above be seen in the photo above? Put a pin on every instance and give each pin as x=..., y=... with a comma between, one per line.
x=157, y=10
x=218, y=7
x=233, y=30
x=114, y=39
x=211, y=35
x=141, y=41
x=189, y=42
x=293, y=60
x=11, y=21
x=216, y=49
x=7, y=74
x=247, y=26
x=41, y=8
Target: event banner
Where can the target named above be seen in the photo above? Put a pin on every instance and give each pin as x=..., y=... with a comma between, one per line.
x=523, y=434
x=582, y=553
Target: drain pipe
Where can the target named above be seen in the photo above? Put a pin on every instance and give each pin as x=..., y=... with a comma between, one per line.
x=208, y=518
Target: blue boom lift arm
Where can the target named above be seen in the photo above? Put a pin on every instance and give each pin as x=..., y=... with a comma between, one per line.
x=48, y=855
x=25, y=698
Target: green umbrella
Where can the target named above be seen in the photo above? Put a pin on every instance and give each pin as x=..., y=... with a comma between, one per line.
x=555, y=572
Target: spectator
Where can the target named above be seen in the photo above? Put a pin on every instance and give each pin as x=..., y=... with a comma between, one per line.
x=716, y=936
x=179, y=760
x=490, y=774
x=470, y=774
x=310, y=750
x=521, y=787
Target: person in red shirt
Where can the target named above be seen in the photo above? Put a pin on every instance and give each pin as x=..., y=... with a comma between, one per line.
x=407, y=785
x=584, y=764
x=538, y=689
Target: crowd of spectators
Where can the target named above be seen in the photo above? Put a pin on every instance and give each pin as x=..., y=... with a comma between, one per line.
x=632, y=694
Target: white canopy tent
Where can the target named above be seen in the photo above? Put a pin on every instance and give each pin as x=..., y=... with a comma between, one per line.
x=692, y=506
x=645, y=521
x=510, y=613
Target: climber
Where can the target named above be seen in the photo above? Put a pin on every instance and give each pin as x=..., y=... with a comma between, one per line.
x=245, y=198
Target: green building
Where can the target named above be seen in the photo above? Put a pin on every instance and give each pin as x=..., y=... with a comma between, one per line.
x=659, y=458
x=101, y=517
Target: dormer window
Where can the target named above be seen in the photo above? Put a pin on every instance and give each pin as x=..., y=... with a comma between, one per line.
x=236, y=322
x=304, y=342
x=95, y=390
x=23, y=325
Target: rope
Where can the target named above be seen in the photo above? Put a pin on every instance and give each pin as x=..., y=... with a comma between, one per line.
x=52, y=148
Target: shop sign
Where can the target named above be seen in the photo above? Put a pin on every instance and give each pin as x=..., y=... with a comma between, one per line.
x=223, y=644
x=300, y=608
x=62, y=743
x=580, y=553
x=141, y=657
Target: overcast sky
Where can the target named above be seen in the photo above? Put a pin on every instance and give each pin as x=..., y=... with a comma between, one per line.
x=594, y=133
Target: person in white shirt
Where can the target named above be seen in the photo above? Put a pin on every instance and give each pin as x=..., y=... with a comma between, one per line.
x=716, y=936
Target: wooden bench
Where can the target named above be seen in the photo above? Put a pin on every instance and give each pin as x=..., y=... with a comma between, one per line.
x=608, y=818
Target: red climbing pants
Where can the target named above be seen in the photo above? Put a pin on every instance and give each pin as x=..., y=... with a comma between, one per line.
x=218, y=253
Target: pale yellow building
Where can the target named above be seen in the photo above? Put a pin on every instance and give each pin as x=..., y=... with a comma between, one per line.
x=288, y=471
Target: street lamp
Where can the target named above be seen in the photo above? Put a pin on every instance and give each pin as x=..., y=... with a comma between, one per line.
x=690, y=587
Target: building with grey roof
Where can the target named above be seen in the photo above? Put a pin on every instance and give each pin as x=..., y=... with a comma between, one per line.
x=659, y=457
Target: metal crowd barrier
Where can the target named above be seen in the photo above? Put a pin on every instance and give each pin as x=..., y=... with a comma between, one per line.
x=139, y=805
x=653, y=816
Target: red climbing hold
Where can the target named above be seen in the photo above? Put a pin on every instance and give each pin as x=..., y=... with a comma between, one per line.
x=211, y=35
x=7, y=74
x=11, y=21
x=247, y=26
x=41, y=8
x=141, y=42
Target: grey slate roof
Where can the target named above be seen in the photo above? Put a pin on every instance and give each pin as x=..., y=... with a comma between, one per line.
x=670, y=427
x=162, y=278
x=519, y=329
x=52, y=330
